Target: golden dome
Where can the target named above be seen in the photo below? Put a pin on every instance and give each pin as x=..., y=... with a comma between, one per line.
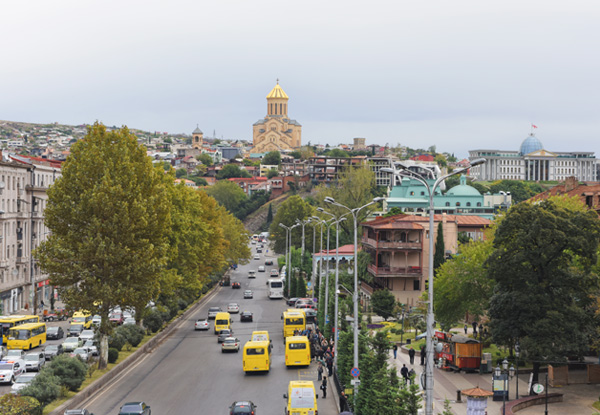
x=277, y=92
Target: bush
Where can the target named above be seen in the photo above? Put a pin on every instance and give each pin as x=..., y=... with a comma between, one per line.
x=153, y=321
x=117, y=340
x=19, y=405
x=71, y=371
x=113, y=355
x=45, y=387
x=132, y=333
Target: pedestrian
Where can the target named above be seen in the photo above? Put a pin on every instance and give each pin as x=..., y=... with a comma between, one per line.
x=411, y=375
x=320, y=372
x=474, y=329
x=466, y=329
x=423, y=354
x=324, y=388
x=329, y=365
x=342, y=401
x=312, y=351
x=411, y=354
x=404, y=373
x=395, y=349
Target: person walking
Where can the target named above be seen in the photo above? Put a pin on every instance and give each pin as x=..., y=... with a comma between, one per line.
x=411, y=354
x=474, y=328
x=395, y=349
x=411, y=375
x=320, y=372
x=324, y=388
x=404, y=373
x=466, y=329
x=423, y=354
x=343, y=404
x=329, y=365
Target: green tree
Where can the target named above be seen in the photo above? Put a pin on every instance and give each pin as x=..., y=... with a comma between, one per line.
x=232, y=171
x=519, y=190
x=462, y=284
x=11, y=404
x=270, y=214
x=336, y=152
x=287, y=213
x=272, y=158
x=179, y=173
x=393, y=212
x=272, y=173
x=109, y=218
x=440, y=248
x=383, y=302
x=205, y=159
x=45, y=387
x=236, y=236
x=296, y=154
x=440, y=159
x=69, y=371
x=545, y=294
x=228, y=194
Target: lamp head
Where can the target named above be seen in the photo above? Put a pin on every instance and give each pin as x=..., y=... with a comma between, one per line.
x=477, y=162
x=401, y=165
x=387, y=170
x=505, y=364
x=282, y=225
x=378, y=199
x=497, y=371
x=342, y=219
x=320, y=209
x=329, y=200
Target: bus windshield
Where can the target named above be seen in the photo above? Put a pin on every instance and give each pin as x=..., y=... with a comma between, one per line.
x=15, y=334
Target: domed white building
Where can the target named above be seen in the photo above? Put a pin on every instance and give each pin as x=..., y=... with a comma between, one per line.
x=533, y=163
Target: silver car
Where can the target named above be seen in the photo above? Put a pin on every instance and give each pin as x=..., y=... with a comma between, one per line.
x=71, y=343
x=87, y=335
x=81, y=352
x=22, y=381
x=34, y=361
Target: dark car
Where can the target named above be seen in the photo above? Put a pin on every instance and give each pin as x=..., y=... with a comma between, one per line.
x=292, y=301
x=135, y=408
x=269, y=262
x=242, y=407
x=75, y=330
x=236, y=285
x=77, y=412
x=55, y=333
x=311, y=315
x=53, y=350
x=223, y=334
x=246, y=316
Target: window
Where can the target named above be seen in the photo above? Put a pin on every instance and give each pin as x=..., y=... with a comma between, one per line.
x=447, y=203
x=468, y=203
x=422, y=193
x=297, y=346
x=255, y=351
x=416, y=285
x=478, y=204
x=412, y=193
x=457, y=203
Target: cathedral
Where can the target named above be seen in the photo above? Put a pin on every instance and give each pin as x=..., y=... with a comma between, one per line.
x=276, y=132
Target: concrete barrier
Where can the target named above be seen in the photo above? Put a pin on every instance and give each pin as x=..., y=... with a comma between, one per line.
x=150, y=345
x=522, y=403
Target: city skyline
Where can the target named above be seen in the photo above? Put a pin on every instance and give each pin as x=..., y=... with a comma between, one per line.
x=462, y=76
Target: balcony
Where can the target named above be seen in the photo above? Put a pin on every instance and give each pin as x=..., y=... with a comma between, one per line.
x=391, y=245
x=394, y=271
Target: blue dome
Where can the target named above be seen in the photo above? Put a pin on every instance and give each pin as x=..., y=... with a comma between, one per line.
x=530, y=144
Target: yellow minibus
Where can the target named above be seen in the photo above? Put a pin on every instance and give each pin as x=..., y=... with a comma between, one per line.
x=293, y=320
x=257, y=356
x=301, y=398
x=297, y=351
x=222, y=322
x=6, y=322
x=82, y=317
x=26, y=336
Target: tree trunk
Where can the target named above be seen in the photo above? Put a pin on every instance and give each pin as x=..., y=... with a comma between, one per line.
x=103, y=360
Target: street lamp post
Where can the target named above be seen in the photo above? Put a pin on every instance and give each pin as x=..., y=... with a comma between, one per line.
x=289, y=278
x=430, y=320
x=314, y=264
x=335, y=310
x=517, y=354
x=506, y=374
x=320, y=257
x=354, y=212
x=303, y=223
x=327, y=267
x=287, y=237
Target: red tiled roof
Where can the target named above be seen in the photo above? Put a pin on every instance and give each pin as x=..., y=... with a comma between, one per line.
x=394, y=222
x=342, y=250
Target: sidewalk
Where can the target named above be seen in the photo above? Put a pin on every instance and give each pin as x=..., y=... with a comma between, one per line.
x=578, y=399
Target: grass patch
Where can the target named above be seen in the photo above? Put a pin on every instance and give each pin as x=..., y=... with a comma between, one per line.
x=596, y=405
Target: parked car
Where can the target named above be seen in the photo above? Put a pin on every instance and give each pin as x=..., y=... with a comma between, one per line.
x=92, y=348
x=248, y=294
x=213, y=311
x=233, y=308
x=22, y=381
x=223, y=334
x=116, y=318
x=55, y=333
x=242, y=408
x=230, y=344
x=87, y=335
x=246, y=316
x=53, y=350
x=34, y=361
x=135, y=408
x=236, y=285
x=71, y=343
x=201, y=325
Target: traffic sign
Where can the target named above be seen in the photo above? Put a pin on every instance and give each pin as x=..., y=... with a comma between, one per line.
x=537, y=388
x=355, y=372
x=326, y=319
x=355, y=382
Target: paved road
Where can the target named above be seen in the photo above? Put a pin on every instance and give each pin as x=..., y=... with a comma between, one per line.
x=189, y=374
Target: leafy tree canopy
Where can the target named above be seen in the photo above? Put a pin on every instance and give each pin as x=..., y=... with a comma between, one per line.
x=287, y=213
x=228, y=194
x=272, y=173
x=383, y=302
x=205, y=159
x=231, y=171
x=272, y=158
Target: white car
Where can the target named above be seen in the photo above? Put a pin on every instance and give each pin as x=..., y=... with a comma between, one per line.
x=82, y=352
x=261, y=268
x=129, y=320
x=14, y=354
x=96, y=320
x=21, y=381
x=10, y=369
x=257, y=256
x=93, y=350
x=233, y=308
x=34, y=361
x=71, y=343
x=86, y=335
x=201, y=325
x=230, y=344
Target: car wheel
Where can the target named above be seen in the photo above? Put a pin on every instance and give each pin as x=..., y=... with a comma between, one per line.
x=222, y=351
x=12, y=380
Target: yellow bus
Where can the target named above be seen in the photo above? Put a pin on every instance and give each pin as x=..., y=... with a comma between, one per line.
x=297, y=351
x=26, y=336
x=301, y=398
x=6, y=322
x=82, y=317
x=257, y=356
x=222, y=322
x=293, y=320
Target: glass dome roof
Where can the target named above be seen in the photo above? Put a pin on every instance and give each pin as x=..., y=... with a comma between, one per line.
x=530, y=144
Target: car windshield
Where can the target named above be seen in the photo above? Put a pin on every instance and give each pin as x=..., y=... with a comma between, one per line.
x=79, y=351
x=72, y=340
x=51, y=348
x=24, y=378
x=131, y=408
x=230, y=340
x=116, y=315
x=6, y=366
x=52, y=330
x=76, y=327
x=32, y=357
x=79, y=319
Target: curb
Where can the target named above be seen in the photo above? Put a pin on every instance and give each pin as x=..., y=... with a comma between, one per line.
x=148, y=347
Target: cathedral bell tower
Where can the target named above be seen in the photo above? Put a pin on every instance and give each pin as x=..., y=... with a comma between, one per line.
x=277, y=101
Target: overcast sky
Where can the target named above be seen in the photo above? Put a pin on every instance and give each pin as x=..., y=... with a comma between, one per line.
x=459, y=75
